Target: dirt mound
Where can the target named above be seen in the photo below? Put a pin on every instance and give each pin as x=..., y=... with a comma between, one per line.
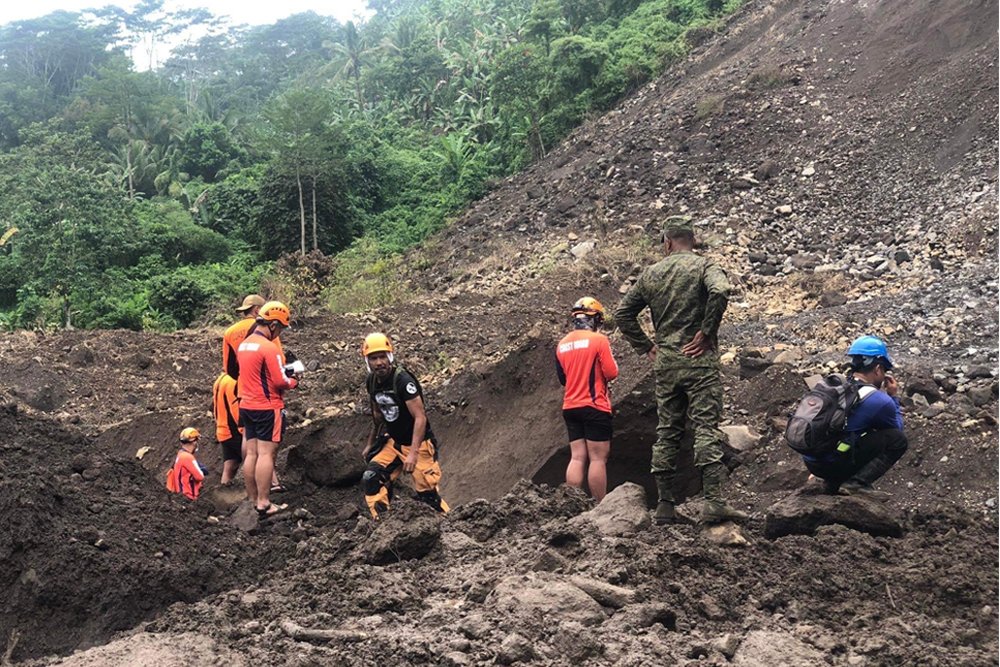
x=513, y=580
x=93, y=544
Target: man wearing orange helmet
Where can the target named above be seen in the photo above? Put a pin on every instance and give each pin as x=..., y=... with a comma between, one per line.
x=186, y=474
x=585, y=366
x=401, y=439
x=231, y=340
x=262, y=383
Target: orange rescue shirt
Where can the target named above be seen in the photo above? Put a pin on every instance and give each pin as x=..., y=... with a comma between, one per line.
x=585, y=365
x=262, y=378
x=225, y=408
x=231, y=340
x=187, y=474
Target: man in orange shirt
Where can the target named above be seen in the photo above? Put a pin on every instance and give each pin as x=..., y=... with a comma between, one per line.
x=226, y=409
x=231, y=340
x=261, y=385
x=236, y=333
x=585, y=366
x=186, y=475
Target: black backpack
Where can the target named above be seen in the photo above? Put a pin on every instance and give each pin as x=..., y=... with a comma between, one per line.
x=819, y=421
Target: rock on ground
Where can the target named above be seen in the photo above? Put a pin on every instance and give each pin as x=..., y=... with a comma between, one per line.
x=762, y=648
x=327, y=462
x=245, y=517
x=166, y=650
x=726, y=534
x=741, y=438
x=552, y=597
x=606, y=594
x=802, y=513
x=622, y=512
x=409, y=532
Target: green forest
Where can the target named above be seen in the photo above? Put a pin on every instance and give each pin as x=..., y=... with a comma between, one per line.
x=146, y=188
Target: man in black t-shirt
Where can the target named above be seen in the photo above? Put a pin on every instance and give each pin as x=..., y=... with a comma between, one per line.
x=401, y=439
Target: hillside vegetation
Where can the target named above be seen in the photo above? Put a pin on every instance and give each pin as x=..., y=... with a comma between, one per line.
x=139, y=189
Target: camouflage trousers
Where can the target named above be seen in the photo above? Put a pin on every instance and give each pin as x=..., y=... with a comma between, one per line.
x=697, y=394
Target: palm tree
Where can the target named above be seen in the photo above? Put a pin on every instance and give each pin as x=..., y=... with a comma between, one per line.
x=351, y=52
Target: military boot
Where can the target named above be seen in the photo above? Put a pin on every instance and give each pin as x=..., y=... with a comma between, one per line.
x=665, y=501
x=716, y=510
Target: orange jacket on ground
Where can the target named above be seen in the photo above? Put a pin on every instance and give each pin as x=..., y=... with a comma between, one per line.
x=186, y=475
x=231, y=340
x=225, y=408
x=585, y=365
x=262, y=378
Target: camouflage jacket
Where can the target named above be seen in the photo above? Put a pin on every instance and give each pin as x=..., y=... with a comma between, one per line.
x=685, y=293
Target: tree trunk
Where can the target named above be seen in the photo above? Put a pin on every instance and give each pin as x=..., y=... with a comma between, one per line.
x=302, y=210
x=128, y=166
x=315, y=239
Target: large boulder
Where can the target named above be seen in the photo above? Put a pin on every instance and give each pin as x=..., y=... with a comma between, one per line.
x=410, y=531
x=622, y=512
x=803, y=512
x=762, y=648
x=326, y=459
x=546, y=596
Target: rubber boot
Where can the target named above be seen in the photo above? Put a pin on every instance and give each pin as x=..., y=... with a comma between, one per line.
x=716, y=510
x=665, y=501
x=861, y=482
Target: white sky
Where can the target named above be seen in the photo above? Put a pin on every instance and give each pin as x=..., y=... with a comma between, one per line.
x=239, y=12
x=252, y=12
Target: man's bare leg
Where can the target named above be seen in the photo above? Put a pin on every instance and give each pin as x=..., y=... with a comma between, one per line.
x=597, y=471
x=263, y=472
x=577, y=463
x=249, y=467
x=229, y=470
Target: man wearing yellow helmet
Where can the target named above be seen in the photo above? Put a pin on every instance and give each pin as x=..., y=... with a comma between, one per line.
x=401, y=439
x=186, y=474
x=261, y=386
x=585, y=366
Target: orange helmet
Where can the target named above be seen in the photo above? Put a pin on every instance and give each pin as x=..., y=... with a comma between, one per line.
x=376, y=342
x=274, y=311
x=189, y=435
x=588, y=305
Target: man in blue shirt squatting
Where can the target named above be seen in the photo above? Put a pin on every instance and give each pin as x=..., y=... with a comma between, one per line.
x=875, y=438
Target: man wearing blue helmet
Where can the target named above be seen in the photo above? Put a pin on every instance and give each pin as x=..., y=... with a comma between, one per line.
x=875, y=438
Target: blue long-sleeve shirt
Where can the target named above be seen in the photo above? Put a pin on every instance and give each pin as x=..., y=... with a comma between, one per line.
x=877, y=411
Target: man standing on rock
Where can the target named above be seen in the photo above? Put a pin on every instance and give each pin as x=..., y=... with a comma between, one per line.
x=401, y=438
x=261, y=387
x=686, y=295
x=875, y=438
x=231, y=340
x=585, y=365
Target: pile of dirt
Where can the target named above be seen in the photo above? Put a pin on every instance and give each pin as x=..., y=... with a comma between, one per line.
x=517, y=581
x=93, y=544
x=839, y=160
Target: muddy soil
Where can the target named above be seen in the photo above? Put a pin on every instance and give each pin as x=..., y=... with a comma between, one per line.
x=839, y=160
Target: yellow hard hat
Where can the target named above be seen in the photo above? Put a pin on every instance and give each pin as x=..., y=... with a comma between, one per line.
x=189, y=435
x=376, y=342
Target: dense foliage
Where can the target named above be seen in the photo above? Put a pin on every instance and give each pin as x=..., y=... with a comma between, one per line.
x=138, y=187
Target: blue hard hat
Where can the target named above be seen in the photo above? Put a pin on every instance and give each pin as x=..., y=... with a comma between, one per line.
x=870, y=347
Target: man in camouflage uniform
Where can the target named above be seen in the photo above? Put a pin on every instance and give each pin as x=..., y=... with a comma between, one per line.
x=686, y=295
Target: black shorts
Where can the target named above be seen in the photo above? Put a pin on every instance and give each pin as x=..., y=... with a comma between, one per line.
x=263, y=424
x=232, y=449
x=588, y=423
